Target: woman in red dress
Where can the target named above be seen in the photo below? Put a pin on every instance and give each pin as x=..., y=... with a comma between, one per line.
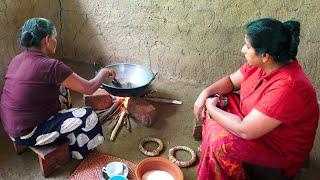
x=273, y=122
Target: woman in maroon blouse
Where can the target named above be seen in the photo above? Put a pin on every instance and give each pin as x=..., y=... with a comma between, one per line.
x=273, y=123
x=30, y=98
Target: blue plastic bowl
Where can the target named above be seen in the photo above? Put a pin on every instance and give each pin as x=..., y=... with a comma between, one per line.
x=117, y=177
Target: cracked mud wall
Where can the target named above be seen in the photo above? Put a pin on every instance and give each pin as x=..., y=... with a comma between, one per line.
x=185, y=40
x=191, y=41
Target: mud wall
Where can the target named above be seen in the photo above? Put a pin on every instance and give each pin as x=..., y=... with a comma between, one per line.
x=190, y=41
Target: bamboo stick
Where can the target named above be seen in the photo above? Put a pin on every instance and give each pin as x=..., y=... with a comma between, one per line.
x=128, y=124
x=161, y=100
x=115, y=130
x=115, y=113
x=105, y=115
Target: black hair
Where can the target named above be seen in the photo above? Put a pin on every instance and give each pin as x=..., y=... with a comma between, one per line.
x=280, y=40
x=34, y=30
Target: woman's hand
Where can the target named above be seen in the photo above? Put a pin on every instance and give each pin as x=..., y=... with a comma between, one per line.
x=81, y=85
x=199, y=104
x=109, y=73
x=212, y=102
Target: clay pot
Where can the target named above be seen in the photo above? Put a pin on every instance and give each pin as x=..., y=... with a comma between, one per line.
x=158, y=163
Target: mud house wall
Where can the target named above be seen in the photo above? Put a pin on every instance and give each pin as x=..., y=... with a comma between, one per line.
x=185, y=40
x=191, y=41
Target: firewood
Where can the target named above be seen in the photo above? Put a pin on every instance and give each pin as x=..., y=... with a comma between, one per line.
x=115, y=130
x=128, y=124
x=105, y=115
x=163, y=100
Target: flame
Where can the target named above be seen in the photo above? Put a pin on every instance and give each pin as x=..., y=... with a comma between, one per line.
x=123, y=115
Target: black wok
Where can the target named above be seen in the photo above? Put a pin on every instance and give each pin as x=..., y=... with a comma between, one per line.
x=134, y=80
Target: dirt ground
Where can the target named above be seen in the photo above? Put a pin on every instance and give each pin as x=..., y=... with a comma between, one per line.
x=174, y=126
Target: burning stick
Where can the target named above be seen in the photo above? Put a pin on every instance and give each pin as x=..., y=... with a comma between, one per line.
x=161, y=100
x=128, y=124
x=115, y=114
x=115, y=130
x=113, y=107
x=112, y=123
x=105, y=115
x=119, y=122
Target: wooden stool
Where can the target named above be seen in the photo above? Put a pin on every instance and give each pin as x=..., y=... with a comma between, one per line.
x=50, y=156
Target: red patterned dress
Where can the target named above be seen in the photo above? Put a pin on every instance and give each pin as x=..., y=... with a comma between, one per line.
x=285, y=94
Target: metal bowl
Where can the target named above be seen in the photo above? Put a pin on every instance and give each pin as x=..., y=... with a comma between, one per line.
x=134, y=80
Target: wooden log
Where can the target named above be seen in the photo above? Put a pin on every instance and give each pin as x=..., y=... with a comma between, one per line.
x=115, y=130
x=128, y=124
x=104, y=115
x=163, y=100
x=142, y=111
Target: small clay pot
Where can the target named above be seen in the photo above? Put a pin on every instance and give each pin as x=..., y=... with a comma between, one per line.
x=158, y=163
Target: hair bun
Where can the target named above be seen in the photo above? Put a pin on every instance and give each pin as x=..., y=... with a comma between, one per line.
x=294, y=29
x=26, y=39
x=293, y=26
x=34, y=30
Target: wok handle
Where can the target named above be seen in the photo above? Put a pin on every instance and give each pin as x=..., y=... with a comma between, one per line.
x=154, y=76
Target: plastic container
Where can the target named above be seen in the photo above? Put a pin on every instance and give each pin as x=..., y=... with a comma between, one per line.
x=118, y=177
x=115, y=169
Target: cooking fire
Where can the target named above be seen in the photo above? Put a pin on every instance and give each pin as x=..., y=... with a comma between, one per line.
x=119, y=111
x=121, y=117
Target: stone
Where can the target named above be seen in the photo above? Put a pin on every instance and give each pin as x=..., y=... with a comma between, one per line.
x=99, y=100
x=142, y=111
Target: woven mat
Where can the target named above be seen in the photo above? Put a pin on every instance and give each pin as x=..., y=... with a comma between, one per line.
x=90, y=167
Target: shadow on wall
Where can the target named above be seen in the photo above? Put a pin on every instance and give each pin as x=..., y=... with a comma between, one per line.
x=81, y=34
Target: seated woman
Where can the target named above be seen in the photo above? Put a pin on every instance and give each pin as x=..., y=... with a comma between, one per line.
x=273, y=123
x=30, y=99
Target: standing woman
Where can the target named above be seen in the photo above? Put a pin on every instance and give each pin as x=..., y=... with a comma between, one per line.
x=30, y=107
x=273, y=123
